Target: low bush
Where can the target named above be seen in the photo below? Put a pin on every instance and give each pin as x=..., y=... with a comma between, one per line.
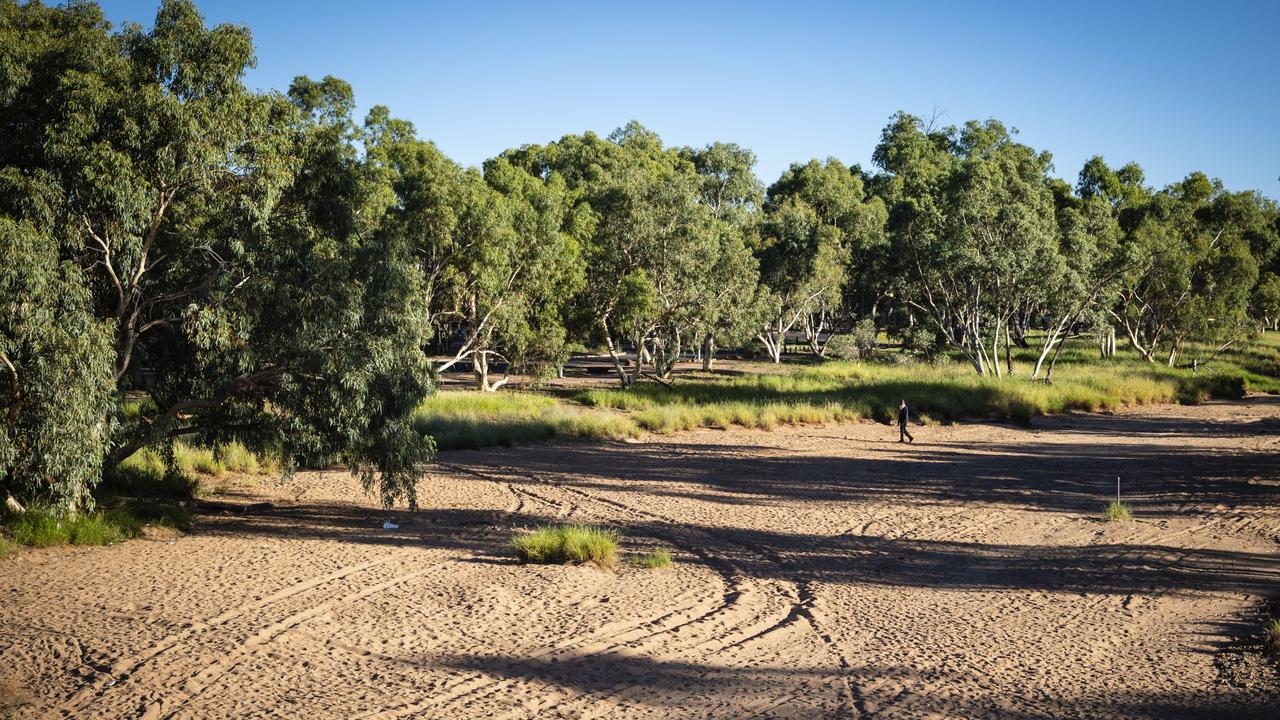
x=1117, y=512
x=567, y=544
x=654, y=560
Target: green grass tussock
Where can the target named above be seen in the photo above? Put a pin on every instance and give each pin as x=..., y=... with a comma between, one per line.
x=1117, y=512
x=567, y=544
x=654, y=560
x=1271, y=633
x=40, y=527
x=469, y=420
x=7, y=547
x=143, y=474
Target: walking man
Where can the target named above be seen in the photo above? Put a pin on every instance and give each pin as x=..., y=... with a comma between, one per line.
x=903, y=416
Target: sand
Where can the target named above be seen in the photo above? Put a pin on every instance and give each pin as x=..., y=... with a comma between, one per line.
x=820, y=572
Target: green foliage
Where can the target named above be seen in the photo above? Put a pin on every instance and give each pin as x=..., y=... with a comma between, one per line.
x=223, y=238
x=55, y=379
x=1117, y=512
x=567, y=544
x=7, y=547
x=654, y=560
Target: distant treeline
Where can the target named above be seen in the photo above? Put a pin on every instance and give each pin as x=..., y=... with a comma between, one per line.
x=268, y=268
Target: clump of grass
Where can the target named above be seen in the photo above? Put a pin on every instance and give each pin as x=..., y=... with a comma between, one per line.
x=1117, y=512
x=202, y=460
x=40, y=527
x=556, y=544
x=1271, y=636
x=470, y=420
x=237, y=458
x=654, y=560
x=7, y=547
x=143, y=474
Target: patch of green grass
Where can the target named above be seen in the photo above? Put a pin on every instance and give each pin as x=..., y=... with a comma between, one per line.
x=469, y=420
x=7, y=547
x=1117, y=512
x=558, y=544
x=767, y=396
x=843, y=390
x=191, y=459
x=237, y=458
x=142, y=474
x=1271, y=635
x=654, y=560
x=39, y=527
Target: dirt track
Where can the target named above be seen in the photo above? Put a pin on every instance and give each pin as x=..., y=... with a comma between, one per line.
x=821, y=572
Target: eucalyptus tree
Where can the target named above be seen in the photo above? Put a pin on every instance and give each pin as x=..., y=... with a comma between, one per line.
x=55, y=374
x=837, y=195
x=730, y=188
x=1077, y=277
x=971, y=226
x=651, y=243
x=1193, y=274
x=802, y=269
x=221, y=235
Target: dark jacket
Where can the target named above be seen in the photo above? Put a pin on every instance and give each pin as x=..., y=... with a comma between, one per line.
x=902, y=415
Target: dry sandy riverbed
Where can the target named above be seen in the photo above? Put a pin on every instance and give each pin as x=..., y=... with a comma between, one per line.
x=821, y=572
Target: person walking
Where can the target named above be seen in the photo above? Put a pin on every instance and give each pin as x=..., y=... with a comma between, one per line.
x=903, y=416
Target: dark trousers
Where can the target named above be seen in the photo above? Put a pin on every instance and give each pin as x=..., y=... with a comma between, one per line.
x=903, y=434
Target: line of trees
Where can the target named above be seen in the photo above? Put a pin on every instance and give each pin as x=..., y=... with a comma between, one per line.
x=267, y=267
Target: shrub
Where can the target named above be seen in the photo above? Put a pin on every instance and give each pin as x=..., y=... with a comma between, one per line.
x=654, y=560
x=567, y=544
x=1117, y=512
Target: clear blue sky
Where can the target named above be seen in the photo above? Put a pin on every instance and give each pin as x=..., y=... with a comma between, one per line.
x=1175, y=86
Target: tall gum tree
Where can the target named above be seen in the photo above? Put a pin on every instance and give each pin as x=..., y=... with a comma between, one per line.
x=222, y=235
x=852, y=285
x=971, y=222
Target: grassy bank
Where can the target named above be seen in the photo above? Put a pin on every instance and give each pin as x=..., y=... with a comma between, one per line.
x=848, y=391
x=461, y=420
x=841, y=391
